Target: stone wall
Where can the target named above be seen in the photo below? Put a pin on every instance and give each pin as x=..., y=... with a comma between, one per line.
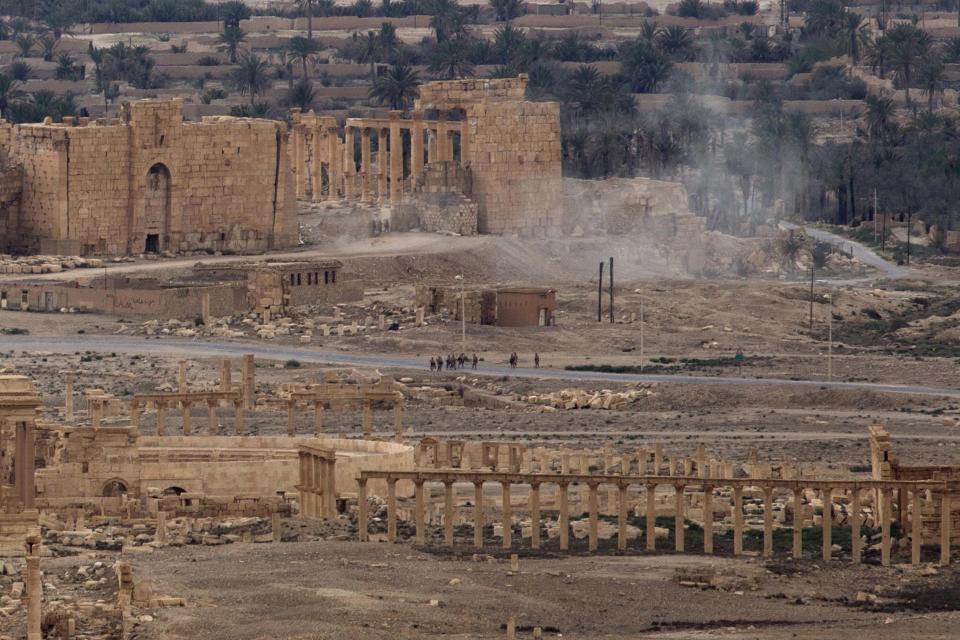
x=152, y=182
x=439, y=202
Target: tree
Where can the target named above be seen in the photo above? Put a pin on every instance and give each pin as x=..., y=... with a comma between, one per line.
x=853, y=36
x=99, y=58
x=584, y=87
x=285, y=68
x=931, y=77
x=303, y=50
x=370, y=52
x=506, y=10
x=232, y=12
x=302, y=95
x=230, y=39
x=398, y=87
x=825, y=18
x=9, y=92
x=508, y=42
x=251, y=76
x=644, y=67
x=66, y=69
x=451, y=60
x=307, y=6
x=908, y=46
x=387, y=41
x=676, y=42
x=449, y=19
x=48, y=44
x=25, y=42
x=879, y=117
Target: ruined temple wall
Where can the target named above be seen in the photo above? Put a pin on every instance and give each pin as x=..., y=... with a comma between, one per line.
x=516, y=166
x=229, y=182
x=42, y=152
x=98, y=189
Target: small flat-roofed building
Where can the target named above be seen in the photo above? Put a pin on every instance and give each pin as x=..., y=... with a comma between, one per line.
x=526, y=307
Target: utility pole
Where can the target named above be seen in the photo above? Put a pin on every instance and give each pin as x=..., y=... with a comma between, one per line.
x=883, y=234
x=875, y=211
x=909, y=225
x=463, y=316
x=611, y=289
x=600, y=295
x=811, y=295
x=641, y=333
x=830, y=340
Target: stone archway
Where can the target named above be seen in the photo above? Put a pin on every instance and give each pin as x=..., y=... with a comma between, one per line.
x=115, y=488
x=156, y=209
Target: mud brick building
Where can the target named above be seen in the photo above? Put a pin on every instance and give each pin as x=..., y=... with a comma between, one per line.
x=148, y=182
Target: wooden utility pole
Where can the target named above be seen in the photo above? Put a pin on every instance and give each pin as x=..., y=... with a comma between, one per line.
x=611, y=289
x=909, y=225
x=600, y=295
x=811, y=294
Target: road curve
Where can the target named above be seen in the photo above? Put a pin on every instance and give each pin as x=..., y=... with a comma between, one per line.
x=860, y=251
x=197, y=348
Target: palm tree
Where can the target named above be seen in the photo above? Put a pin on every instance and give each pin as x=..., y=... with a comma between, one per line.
x=99, y=59
x=451, y=60
x=307, y=6
x=285, y=68
x=251, y=76
x=854, y=35
x=506, y=10
x=676, y=41
x=370, y=52
x=230, y=39
x=931, y=76
x=508, y=42
x=583, y=87
x=48, y=43
x=398, y=87
x=302, y=95
x=908, y=46
x=649, y=32
x=387, y=41
x=644, y=67
x=9, y=92
x=448, y=19
x=542, y=82
x=303, y=50
x=25, y=42
x=879, y=117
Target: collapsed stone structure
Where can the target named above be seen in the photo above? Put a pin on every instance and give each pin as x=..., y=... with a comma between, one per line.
x=149, y=182
x=489, y=152
x=503, y=306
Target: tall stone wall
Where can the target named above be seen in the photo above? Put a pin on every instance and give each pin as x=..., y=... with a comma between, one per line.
x=154, y=183
x=515, y=163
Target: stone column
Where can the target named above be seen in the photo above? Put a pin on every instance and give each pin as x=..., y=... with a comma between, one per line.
x=362, y=510
x=678, y=518
x=135, y=413
x=182, y=376
x=592, y=533
x=34, y=589
x=418, y=512
x=317, y=418
x=185, y=412
x=249, y=383
x=392, y=509
x=443, y=137
x=398, y=420
x=318, y=151
x=382, y=166
x=291, y=418
x=68, y=395
x=707, y=519
x=349, y=163
x=916, y=526
x=448, y=513
x=24, y=464
x=365, y=170
x=738, y=520
x=276, y=527
x=767, y=522
x=535, y=515
x=507, y=514
x=797, y=523
x=211, y=417
x=237, y=417
x=299, y=155
x=330, y=486
x=855, y=524
x=96, y=408
x=432, y=145
x=884, y=509
x=464, y=143
x=827, y=523
x=416, y=146
x=303, y=481
x=161, y=535
x=564, y=522
x=396, y=157
x=225, y=382
x=161, y=417
x=946, y=525
x=657, y=458
x=651, y=521
x=622, y=517
x=366, y=418
x=478, y=514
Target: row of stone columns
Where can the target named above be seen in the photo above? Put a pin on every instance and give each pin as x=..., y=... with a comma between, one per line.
x=317, y=486
x=679, y=516
x=185, y=405
x=366, y=417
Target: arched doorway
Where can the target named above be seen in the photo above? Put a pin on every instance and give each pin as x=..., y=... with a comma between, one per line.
x=115, y=488
x=156, y=208
x=174, y=491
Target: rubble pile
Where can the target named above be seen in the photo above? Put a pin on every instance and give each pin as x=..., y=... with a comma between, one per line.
x=46, y=264
x=584, y=399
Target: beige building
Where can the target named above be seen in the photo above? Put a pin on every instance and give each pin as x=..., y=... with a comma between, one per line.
x=148, y=182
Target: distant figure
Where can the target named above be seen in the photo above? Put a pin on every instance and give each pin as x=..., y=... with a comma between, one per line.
x=475, y=361
x=439, y=364
x=433, y=364
x=461, y=359
x=739, y=360
x=536, y=360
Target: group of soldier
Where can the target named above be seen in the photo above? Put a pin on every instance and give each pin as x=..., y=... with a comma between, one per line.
x=453, y=362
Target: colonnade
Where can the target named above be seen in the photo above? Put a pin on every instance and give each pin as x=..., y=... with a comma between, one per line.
x=320, y=396
x=828, y=489
x=165, y=401
x=317, y=485
x=335, y=172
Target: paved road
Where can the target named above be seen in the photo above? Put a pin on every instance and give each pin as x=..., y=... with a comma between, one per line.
x=196, y=348
x=860, y=251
